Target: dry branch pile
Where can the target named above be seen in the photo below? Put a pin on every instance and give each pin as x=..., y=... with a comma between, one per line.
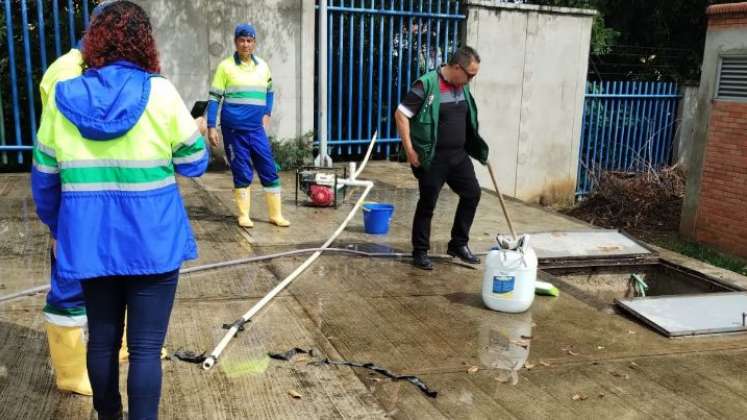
x=645, y=201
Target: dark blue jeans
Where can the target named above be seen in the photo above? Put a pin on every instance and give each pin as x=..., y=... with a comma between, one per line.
x=147, y=301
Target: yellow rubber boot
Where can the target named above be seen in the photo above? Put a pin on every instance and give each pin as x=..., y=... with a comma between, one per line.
x=243, y=201
x=67, y=348
x=274, y=209
x=124, y=354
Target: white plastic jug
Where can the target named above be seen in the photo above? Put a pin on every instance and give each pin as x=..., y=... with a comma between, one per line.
x=509, y=280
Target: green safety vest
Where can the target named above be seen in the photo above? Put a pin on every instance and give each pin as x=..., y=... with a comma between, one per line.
x=424, y=125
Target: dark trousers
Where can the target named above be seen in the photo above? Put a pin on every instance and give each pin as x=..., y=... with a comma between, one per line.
x=148, y=301
x=460, y=177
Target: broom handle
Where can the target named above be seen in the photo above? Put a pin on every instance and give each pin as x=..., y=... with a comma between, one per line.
x=500, y=198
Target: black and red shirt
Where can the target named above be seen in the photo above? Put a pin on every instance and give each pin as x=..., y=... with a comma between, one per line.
x=452, y=117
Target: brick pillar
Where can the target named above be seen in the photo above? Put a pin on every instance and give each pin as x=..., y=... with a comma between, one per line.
x=721, y=218
x=727, y=16
x=722, y=210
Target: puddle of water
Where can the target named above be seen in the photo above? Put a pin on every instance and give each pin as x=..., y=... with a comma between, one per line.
x=236, y=368
x=372, y=248
x=504, y=344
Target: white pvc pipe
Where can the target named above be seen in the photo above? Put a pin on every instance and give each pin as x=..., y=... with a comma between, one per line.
x=365, y=159
x=213, y=357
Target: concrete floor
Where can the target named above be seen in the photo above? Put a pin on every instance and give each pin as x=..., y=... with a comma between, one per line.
x=579, y=361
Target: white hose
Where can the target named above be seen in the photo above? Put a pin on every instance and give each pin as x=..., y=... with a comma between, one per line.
x=213, y=357
x=24, y=293
x=256, y=258
x=39, y=289
x=365, y=159
x=352, y=182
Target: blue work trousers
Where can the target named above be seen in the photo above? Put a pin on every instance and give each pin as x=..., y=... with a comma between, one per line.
x=247, y=150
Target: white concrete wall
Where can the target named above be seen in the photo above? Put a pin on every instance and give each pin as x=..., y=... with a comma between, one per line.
x=684, y=138
x=530, y=94
x=193, y=36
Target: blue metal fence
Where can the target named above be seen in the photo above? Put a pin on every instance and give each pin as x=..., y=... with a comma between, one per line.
x=32, y=34
x=627, y=126
x=376, y=49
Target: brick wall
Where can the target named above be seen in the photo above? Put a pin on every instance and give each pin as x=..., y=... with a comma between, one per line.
x=722, y=210
x=727, y=16
x=721, y=218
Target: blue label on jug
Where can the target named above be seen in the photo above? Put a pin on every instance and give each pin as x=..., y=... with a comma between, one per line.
x=503, y=284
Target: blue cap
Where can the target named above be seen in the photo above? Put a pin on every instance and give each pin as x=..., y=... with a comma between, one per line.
x=101, y=6
x=244, y=29
x=96, y=11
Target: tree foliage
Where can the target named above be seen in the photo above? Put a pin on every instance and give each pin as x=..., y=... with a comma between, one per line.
x=646, y=39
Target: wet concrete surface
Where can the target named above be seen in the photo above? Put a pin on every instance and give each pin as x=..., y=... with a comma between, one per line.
x=565, y=358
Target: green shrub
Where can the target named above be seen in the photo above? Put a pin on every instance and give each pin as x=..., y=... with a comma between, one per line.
x=293, y=153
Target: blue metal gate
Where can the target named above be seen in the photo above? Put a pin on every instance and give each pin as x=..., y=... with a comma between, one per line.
x=32, y=34
x=376, y=49
x=627, y=126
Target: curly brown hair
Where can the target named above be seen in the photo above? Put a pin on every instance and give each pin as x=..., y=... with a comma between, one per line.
x=121, y=32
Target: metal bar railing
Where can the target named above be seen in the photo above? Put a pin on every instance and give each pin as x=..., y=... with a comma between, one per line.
x=13, y=82
x=42, y=37
x=340, y=72
x=388, y=12
x=389, y=77
x=34, y=38
x=56, y=20
x=71, y=22
x=351, y=40
x=330, y=71
x=4, y=156
x=440, y=58
x=85, y=14
x=627, y=126
x=29, y=71
x=380, y=78
x=370, y=71
x=456, y=25
x=391, y=37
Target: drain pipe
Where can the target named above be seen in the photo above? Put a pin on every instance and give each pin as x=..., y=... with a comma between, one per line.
x=256, y=258
x=236, y=326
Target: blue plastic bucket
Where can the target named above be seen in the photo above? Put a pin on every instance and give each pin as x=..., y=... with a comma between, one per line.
x=376, y=217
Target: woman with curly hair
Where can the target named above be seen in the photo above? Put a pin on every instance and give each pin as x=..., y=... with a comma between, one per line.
x=108, y=148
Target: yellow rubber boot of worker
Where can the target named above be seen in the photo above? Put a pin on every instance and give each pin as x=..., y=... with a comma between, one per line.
x=124, y=354
x=243, y=202
x=67, y=348
x=274, y=209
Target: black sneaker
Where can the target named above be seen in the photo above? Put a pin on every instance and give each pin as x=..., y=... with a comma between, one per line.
x=420, y=260
x=464, y=254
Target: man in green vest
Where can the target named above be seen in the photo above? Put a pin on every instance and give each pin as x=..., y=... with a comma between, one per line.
x=437, y=122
